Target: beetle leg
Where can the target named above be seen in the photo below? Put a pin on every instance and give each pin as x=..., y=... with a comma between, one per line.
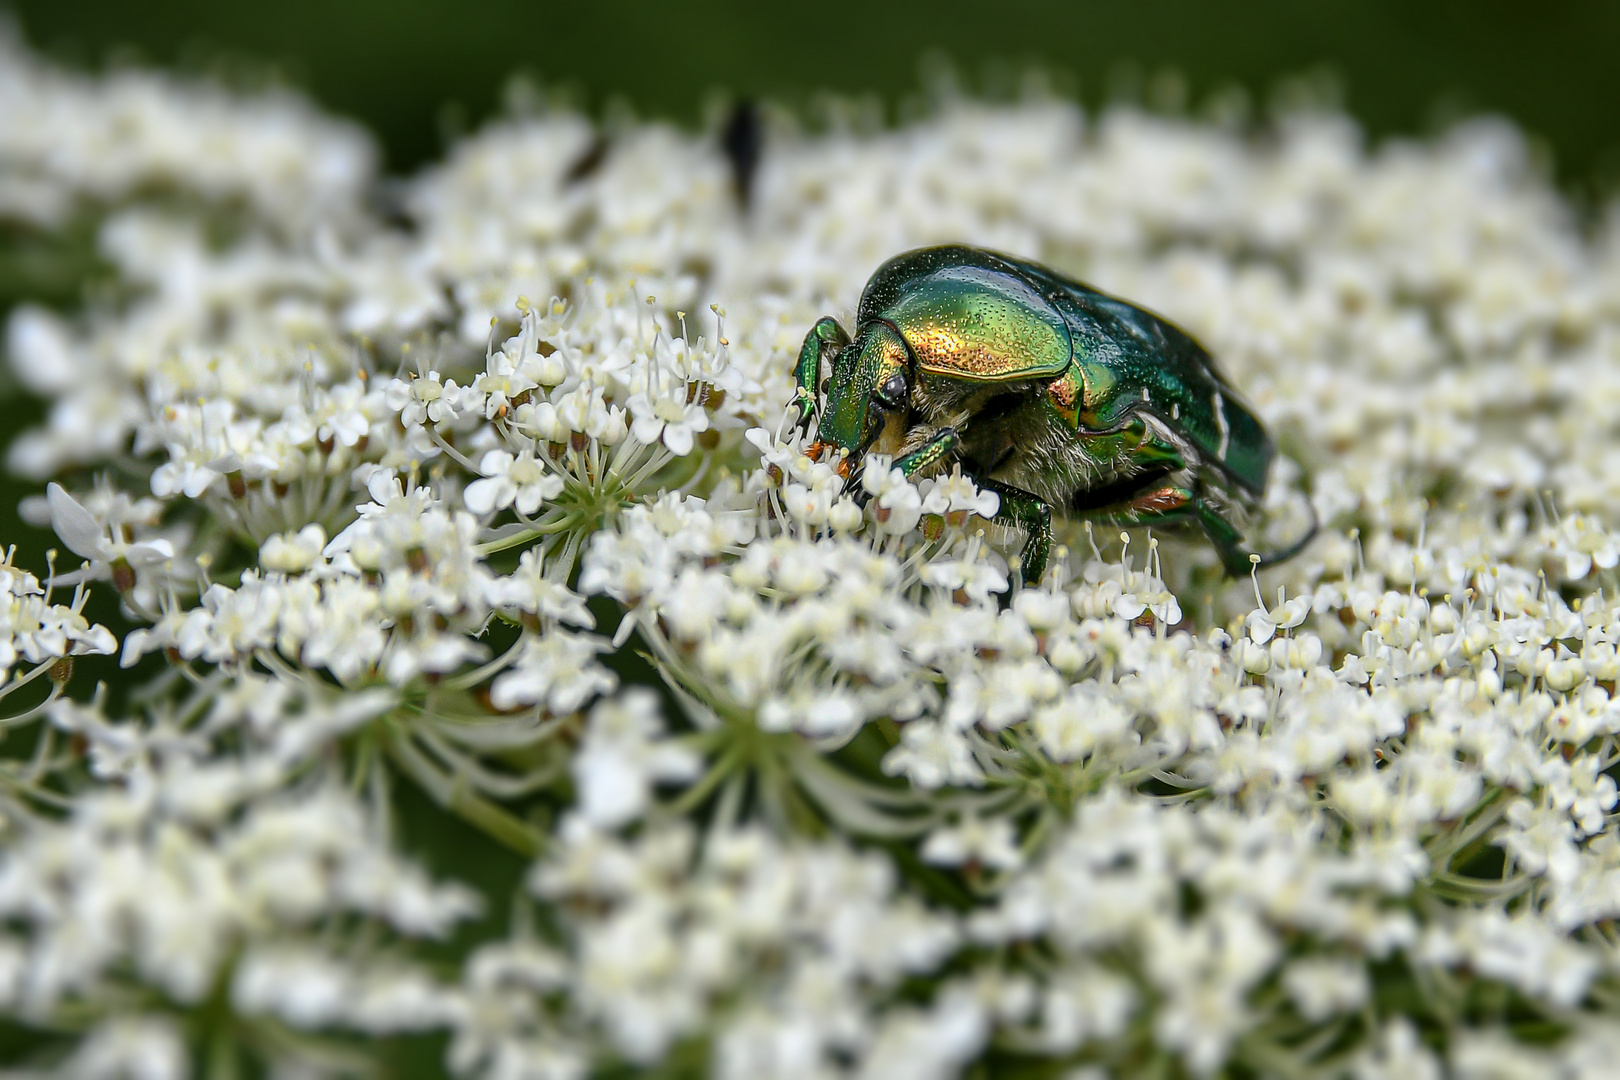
x=1234, y=553
x=1272, y=557
x=825, y=333
x=944, y=443
x=1227, y=540
x=1164, y=505
x=1172, y=503
x=1032, y=514
x=937, y=449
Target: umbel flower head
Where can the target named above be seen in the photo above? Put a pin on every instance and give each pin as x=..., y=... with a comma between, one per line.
x=502, y=664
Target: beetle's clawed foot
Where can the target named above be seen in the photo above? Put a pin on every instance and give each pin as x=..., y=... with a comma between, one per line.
x=1272, y=558
x=855, y=489
x=844, y=463
x=807, y=412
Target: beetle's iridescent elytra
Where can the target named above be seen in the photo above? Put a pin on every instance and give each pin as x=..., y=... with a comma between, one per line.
x=1044, y=390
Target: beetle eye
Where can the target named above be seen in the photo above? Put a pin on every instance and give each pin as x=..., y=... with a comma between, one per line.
x=826, y=385
x=892, y=394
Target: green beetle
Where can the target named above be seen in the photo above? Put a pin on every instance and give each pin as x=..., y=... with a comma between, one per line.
x=1046, y=391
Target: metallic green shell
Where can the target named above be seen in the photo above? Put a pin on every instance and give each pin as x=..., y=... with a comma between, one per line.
x=1012, y=318
x=965, y=323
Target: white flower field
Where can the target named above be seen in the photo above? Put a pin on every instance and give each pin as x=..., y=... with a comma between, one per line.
x=483, y=484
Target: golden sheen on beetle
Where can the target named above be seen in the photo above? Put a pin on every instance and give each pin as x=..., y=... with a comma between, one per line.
x=1045, y=391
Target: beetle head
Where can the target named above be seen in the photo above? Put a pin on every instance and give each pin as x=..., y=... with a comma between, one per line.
x=869, y=393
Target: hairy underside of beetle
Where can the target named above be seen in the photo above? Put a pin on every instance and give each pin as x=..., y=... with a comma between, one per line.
x=1009, y=435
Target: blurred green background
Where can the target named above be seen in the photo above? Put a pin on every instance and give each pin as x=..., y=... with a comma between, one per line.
x=417, y=71
x=406, y=68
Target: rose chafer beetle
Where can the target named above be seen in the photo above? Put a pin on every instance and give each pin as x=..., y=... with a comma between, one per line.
x=1045, y=391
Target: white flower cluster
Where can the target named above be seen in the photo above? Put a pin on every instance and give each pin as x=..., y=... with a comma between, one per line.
x=404, y=506
x=215, y=862
x=39, y=633
x=71, y=143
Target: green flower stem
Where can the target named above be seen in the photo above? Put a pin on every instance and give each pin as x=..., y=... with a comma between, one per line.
x=216, y=1023
x=1270, y=1059
x=568, y=521
x=273, y=1039
x=855, y=804
x=460, y=458
x=467, y=769
x=1458, y=887
x=1490, y=810
x=365, y=758
x=28, y=789
x=454, y=794
x=729, y=761
x=20, y=682
x=469, y=679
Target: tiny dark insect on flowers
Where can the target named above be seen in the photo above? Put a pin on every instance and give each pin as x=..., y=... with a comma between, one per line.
x=1043, y=390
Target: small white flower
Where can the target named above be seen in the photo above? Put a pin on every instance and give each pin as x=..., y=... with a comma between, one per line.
x=557, y=671
x=844, y=516
x=131, y=1047
x=675, y=423
x=293, y=553
x=930, y=755
x=110, y=557
x=623, y=755
x=975, y=577
x=1075, y=726
x=988, y=842
x=425, y=399
x=1321, y=988
x=897, y=504
x=808, y=506
x=1263, y=623
x=509, y=480
x=956, y=494
x=37, y=631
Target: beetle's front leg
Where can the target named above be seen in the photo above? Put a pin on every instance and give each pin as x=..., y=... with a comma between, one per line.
x=932, y=452
x=935, y=450
x=1019, y=508
x=1031, y=513
x=825, y=333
